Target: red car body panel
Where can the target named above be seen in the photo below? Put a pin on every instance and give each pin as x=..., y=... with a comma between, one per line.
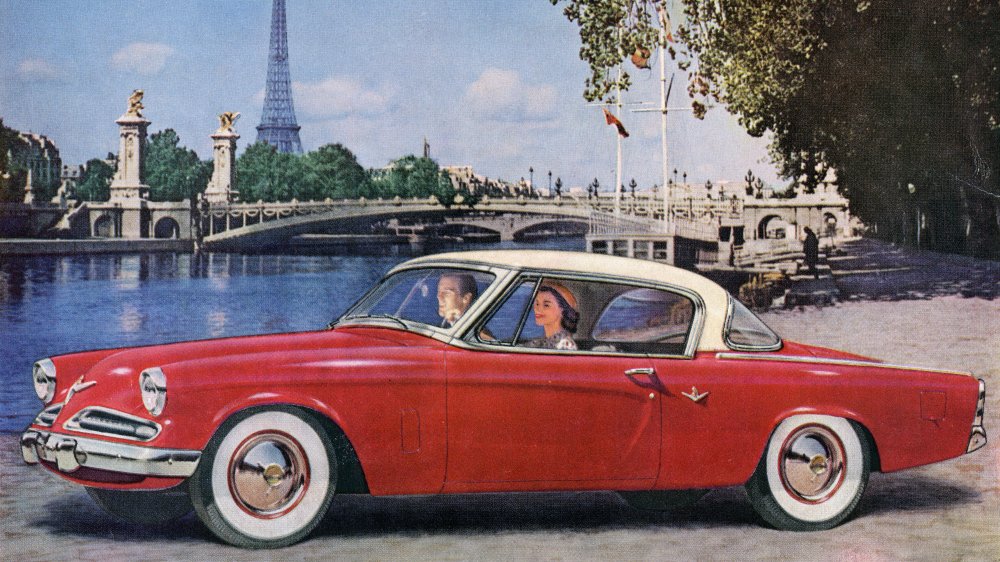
x=427, y=417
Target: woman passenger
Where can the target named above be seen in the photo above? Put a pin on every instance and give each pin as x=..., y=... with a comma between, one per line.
x=555, y=311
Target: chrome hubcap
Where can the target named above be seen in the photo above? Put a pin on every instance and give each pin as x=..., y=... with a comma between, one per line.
x=812, y=463
x=268, y=474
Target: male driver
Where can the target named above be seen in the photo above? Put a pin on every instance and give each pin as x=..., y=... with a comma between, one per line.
x=455, y=292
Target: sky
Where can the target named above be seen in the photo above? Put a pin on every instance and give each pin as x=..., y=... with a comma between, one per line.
x=497, y=85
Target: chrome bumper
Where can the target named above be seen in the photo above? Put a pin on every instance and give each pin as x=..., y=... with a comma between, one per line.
x=70, y=453
x=977, y=439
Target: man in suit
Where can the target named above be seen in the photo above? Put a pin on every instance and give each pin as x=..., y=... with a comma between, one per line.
x=455, y=293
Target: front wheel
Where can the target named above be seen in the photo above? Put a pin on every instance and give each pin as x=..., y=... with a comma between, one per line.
x=812, y=475
x=266, y=478
x=147, y=507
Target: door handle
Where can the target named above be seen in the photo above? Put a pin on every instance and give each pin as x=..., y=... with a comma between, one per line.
x=648, y=371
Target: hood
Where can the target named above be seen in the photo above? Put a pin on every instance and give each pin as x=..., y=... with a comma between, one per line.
x=132, y=361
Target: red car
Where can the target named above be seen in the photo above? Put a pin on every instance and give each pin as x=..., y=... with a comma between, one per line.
x=495, y=371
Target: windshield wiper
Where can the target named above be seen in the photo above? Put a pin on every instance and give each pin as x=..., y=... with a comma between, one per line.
x=399, y=321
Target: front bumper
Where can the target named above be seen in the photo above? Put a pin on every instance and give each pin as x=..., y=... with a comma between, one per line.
x=71, y=453
x=977, y=438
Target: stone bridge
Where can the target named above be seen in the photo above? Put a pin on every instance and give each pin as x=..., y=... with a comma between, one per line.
x=244, y=226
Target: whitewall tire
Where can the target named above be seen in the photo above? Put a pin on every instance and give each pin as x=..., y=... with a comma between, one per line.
x=266, y=478
x=812, y=474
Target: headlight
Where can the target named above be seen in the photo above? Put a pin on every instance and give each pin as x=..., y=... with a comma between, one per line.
x=153, y=385
x=44, y=376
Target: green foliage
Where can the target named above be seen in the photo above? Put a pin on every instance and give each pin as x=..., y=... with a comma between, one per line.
x=263, y=173
x=610, y=31
x=174, y=173
x=96, y=180
x=333, y=171
x=11, y=180
x=411, y=176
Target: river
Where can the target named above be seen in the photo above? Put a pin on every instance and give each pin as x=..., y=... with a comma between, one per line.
x=51, y=305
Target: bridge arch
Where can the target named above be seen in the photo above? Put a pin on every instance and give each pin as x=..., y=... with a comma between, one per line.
x=774, y=227
x=547, y=226
x=104, y=226
x=166, y=227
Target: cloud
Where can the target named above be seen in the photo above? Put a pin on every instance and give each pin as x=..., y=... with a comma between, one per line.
x=142, y=58
x=501, y=95
x=338, y=97
x=37, y=70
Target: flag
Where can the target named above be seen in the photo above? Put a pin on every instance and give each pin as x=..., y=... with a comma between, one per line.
x=612, y=120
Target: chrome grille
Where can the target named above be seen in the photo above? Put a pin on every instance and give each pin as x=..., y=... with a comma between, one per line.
x=47, y=416
x=104, y=421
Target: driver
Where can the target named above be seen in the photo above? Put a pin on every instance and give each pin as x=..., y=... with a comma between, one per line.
x=455, y=293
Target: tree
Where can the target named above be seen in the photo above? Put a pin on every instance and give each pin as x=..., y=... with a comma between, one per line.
x=96, y=180
x=263, y=173
x=11, y=179
x=173, y=172
x=333, y=171
x=887, y=94
x=411, y=176
x=559, y=185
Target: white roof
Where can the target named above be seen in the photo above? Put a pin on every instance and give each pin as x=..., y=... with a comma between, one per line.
x=716, y=298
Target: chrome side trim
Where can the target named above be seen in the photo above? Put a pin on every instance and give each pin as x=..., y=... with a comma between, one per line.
x=829, y=361
x=112, y=423
x=71, y=453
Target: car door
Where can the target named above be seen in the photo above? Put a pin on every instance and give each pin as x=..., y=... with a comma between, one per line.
x=533, y=419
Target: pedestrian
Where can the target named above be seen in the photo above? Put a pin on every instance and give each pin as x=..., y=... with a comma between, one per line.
x=811, y=248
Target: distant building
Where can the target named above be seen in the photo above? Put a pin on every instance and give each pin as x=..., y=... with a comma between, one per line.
x=73, y=172
x=39, y=155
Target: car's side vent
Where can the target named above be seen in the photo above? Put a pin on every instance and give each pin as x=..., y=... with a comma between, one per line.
x=47, y=416
x=104, y=421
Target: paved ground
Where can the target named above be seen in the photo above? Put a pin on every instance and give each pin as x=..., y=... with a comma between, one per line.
x=947, y=511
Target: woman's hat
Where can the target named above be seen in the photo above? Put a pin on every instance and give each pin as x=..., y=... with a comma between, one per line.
x=563, y=292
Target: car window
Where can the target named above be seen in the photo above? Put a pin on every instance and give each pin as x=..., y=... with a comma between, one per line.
x=746, y=331
x=503, y=325
x=432, y=296
x=647, y=321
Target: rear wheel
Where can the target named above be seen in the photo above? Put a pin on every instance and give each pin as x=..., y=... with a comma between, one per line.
x=812, y=475
x=266, y=478
x=147, y=507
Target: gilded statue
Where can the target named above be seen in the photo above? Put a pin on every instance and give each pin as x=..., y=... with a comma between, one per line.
x=135, y=104
x=227, y=120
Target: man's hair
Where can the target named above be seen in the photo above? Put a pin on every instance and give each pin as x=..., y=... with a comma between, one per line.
x=466, y=283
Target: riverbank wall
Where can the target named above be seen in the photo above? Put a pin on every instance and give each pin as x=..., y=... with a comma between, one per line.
x=24, y=247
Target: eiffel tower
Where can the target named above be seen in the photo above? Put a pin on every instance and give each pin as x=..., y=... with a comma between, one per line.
x=277, y=123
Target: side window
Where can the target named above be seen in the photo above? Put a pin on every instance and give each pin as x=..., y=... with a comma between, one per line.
x=746, y=331
x=502, y=327
x=640, y=320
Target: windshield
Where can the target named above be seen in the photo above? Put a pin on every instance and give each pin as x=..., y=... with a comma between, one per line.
x=437, y=297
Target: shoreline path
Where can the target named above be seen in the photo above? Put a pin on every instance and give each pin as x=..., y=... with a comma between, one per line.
x=902, y=306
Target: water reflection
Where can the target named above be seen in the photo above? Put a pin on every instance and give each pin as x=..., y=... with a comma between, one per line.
x=131, y=320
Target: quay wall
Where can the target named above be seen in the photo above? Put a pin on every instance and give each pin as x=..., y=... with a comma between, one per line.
x=21, y=247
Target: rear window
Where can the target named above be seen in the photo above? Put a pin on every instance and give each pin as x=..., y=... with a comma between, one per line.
x=745, y=331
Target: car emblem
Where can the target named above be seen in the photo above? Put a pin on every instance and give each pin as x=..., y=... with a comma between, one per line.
x=694, y=395
x=77, y=387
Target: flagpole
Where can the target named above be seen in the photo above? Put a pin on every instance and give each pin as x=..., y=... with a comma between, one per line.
x=667, y=188
x=618, y=111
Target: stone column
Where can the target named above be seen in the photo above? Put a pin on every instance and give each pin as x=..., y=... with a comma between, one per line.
x=128, y=182
x=29, y=189
x=128, y=190
x=221, y=188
